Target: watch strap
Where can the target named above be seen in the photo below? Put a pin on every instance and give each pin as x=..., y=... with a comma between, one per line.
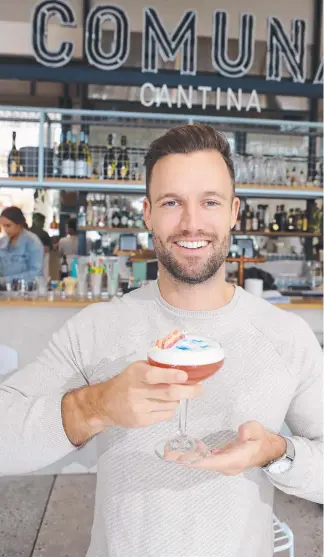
x=288, y=454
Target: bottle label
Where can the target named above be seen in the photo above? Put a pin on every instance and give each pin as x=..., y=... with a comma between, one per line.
x=81, y=169
x=115, y=222
x=124, y=171
x=111, y=170
x=124, y=221
x=13, y=167
x=68, y=168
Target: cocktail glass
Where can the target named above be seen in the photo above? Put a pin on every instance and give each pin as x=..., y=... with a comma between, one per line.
x=200, y=358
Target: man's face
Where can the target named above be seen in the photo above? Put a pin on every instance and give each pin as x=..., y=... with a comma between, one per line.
x=191, y=214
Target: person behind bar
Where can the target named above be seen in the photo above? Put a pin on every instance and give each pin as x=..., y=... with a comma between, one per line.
x=69, y=244
x=94, y=381
x=21, y=251
x=38, y=229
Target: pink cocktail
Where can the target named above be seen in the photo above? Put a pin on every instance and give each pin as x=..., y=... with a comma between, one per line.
x=200, y=358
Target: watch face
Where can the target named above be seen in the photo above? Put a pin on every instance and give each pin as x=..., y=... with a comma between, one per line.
x=280, y=466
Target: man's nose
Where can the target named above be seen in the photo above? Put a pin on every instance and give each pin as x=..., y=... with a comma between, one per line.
x=191, y=218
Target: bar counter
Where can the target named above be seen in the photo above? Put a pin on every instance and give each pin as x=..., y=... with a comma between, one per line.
x=297, y=303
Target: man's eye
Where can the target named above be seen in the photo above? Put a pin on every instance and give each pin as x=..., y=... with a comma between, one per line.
x=169, y=204
x=211, y=203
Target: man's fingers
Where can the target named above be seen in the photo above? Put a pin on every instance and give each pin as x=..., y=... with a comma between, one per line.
x=174, y=392
x=161, y=405
x=155, y=375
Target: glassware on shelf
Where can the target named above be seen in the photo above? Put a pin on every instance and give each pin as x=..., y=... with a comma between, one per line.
x=96, y=283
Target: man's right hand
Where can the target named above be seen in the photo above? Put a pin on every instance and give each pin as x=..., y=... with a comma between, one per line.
x=139, y=396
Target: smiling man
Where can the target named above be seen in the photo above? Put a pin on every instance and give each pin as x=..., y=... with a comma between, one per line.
x=94, y=380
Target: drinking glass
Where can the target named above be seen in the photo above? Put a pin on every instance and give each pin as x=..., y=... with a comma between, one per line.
x=96, y=281
x=200, y=358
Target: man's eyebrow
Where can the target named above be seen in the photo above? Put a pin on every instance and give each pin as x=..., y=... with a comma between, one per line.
x=209, y=193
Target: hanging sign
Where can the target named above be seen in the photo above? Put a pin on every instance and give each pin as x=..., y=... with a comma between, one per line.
x=283, y=49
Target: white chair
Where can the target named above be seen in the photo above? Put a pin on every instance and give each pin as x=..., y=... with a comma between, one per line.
x=8, y=360
x=283, y=537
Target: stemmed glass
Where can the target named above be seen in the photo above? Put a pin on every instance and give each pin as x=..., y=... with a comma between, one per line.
x=200, y=358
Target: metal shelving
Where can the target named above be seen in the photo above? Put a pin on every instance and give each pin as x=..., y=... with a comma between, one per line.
x=266, y=138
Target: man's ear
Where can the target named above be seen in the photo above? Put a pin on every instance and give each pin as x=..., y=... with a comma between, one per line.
x=147, y=213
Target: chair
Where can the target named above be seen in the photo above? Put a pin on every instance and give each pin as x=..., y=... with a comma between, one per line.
x=8, y=360
x=283, y=537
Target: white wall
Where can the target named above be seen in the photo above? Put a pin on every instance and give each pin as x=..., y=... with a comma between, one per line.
x=15, y=29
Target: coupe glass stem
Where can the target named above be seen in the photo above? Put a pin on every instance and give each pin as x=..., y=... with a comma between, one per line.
x=183, y=418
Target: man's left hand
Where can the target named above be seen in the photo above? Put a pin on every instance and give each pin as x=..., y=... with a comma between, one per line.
x=253, y=447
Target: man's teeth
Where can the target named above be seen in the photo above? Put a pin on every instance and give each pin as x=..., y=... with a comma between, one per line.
x=193, y=245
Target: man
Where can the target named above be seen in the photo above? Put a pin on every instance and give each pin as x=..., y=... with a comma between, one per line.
x=38, y=229
x=69, y=244
x=94, y=380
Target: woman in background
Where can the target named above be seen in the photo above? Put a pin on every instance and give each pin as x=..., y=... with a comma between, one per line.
x=21, y=251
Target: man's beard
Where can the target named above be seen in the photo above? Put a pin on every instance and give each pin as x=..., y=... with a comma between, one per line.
x=189, y=274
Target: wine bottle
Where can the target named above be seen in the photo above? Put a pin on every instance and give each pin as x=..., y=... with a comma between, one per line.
x=123, y=160
x=68, y=163
x=81, y=162
x=13, y=158
x=64, y=271
x=248, y=223
x=109, y=168
x=89, y=157
x=305, y=222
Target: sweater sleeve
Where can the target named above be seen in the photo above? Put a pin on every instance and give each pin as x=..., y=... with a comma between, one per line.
x=31, y=430
x=305, y=420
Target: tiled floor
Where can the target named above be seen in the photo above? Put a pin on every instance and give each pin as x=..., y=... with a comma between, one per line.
x=47, y=516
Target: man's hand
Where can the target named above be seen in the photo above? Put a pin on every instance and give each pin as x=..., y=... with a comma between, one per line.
x=253, y=447
x=139, y=396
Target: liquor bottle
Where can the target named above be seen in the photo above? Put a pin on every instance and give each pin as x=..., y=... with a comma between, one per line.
x=302, y=178
x=89, y=157
x=260, y=216
x=305, y=222
x=13, y=158
x=123, y=160
x=68, y=163
x=274, y=224
x=60, y=154
x=54, y=224
x=64, y=270
x=139, y=221
x=248, y=222
x=288, y=177
x=89, y=212
x=298, y=220
x=109, y=167
x=124, y=215
x=131, y=220
x=81, y=161
x=255, y=221
x=293, y=177
x=115, y=217
x=282, y=219
x=266, y=218
x=291, y=221
x=238, y=224
x=82, y=219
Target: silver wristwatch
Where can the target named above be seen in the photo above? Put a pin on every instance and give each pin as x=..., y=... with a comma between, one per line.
x=284, y=463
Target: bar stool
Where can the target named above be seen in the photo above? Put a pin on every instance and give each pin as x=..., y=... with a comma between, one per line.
x=283, y=537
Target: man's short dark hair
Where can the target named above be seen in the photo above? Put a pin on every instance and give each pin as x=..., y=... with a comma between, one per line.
x=188, y=139
x=72, y=224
